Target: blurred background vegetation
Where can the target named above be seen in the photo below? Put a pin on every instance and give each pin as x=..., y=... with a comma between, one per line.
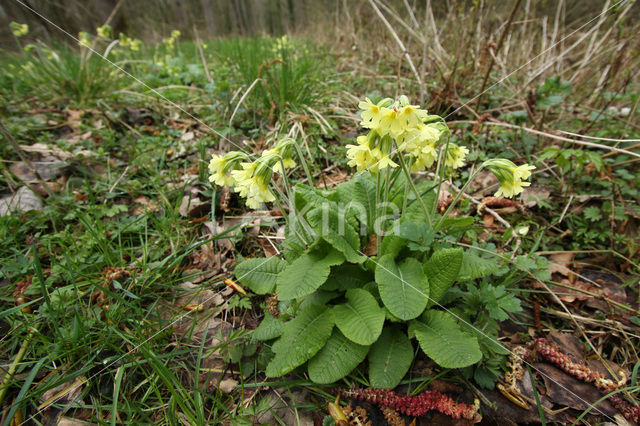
x=151, y=20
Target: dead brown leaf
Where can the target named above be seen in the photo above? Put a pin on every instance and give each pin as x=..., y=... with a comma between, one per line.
x=534, y=194
x=41, y=148
x=68, y=421
x=568, y=391
x=228, y=385
x=193, y=206
x=569, y=295
x=23, y=200
x=63, y=394
x=143, y=205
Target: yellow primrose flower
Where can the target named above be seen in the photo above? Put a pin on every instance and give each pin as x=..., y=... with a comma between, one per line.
x=84, y=39
x=370, y=114
x=19, y=30
x=523, y=172
x=251, y=186
x=221, y=167
x=511, y=188
x=383, y=162
x=125, y=41
x=283, y=150
x=360, y=156
x=391, y=124
x=135, y=44
x=175, y=34
x=218, y=175
x=411, y=115
x=511, y=177
x=104, y=31
x=456, y=156
x=424, y=159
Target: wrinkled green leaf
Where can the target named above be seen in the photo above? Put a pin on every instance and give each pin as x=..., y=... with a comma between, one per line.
x=360, y=319
x=336, y=359
x=403, y=287
x=390, y=358
x=260, y=274
x=442, y=339
x=301, y=339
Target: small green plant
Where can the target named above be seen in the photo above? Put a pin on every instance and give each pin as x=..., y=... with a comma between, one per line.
x=338, y=306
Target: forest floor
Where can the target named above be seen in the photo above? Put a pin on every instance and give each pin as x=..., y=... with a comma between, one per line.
x=116, y=249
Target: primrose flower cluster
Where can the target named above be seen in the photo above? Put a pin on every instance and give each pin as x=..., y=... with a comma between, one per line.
x=251, y=178
x=399, y=128
x=401, y=131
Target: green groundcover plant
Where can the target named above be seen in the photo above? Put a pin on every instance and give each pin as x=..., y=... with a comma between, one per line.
x=369, y=266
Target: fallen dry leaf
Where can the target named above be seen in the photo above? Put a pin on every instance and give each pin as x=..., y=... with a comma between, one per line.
x=228, y=385
x=193, y=206
x=143, y=205
x=23, y=200
x=49, y=169
x=234, y=285
x=532, y=195
x=41, y=148
x=63, y=394
x=569, y=295
x=68, y=421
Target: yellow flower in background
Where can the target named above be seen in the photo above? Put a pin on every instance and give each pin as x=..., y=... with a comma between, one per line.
x=84, y=39
x=19, y=30
x=456, y=156
x=124, y=40
x=135, y=44
x=510, y=176
x=104, y=31
x=175, y=34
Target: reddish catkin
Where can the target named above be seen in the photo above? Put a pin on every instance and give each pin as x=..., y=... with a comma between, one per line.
x=553, y=355
x=417, y=405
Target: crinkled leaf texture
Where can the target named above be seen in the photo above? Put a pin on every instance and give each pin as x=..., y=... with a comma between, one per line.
x=390, y=358
x=403, y=287
x=358, y=195
x=360, y=319
x=260, y=274
x=442, y=270
x=337, y=231
x=301, y=339
x=269, y=328
x=306, y=274
x=474, y=266
x=347, y=276
x=442, y=339
x=338, y=357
